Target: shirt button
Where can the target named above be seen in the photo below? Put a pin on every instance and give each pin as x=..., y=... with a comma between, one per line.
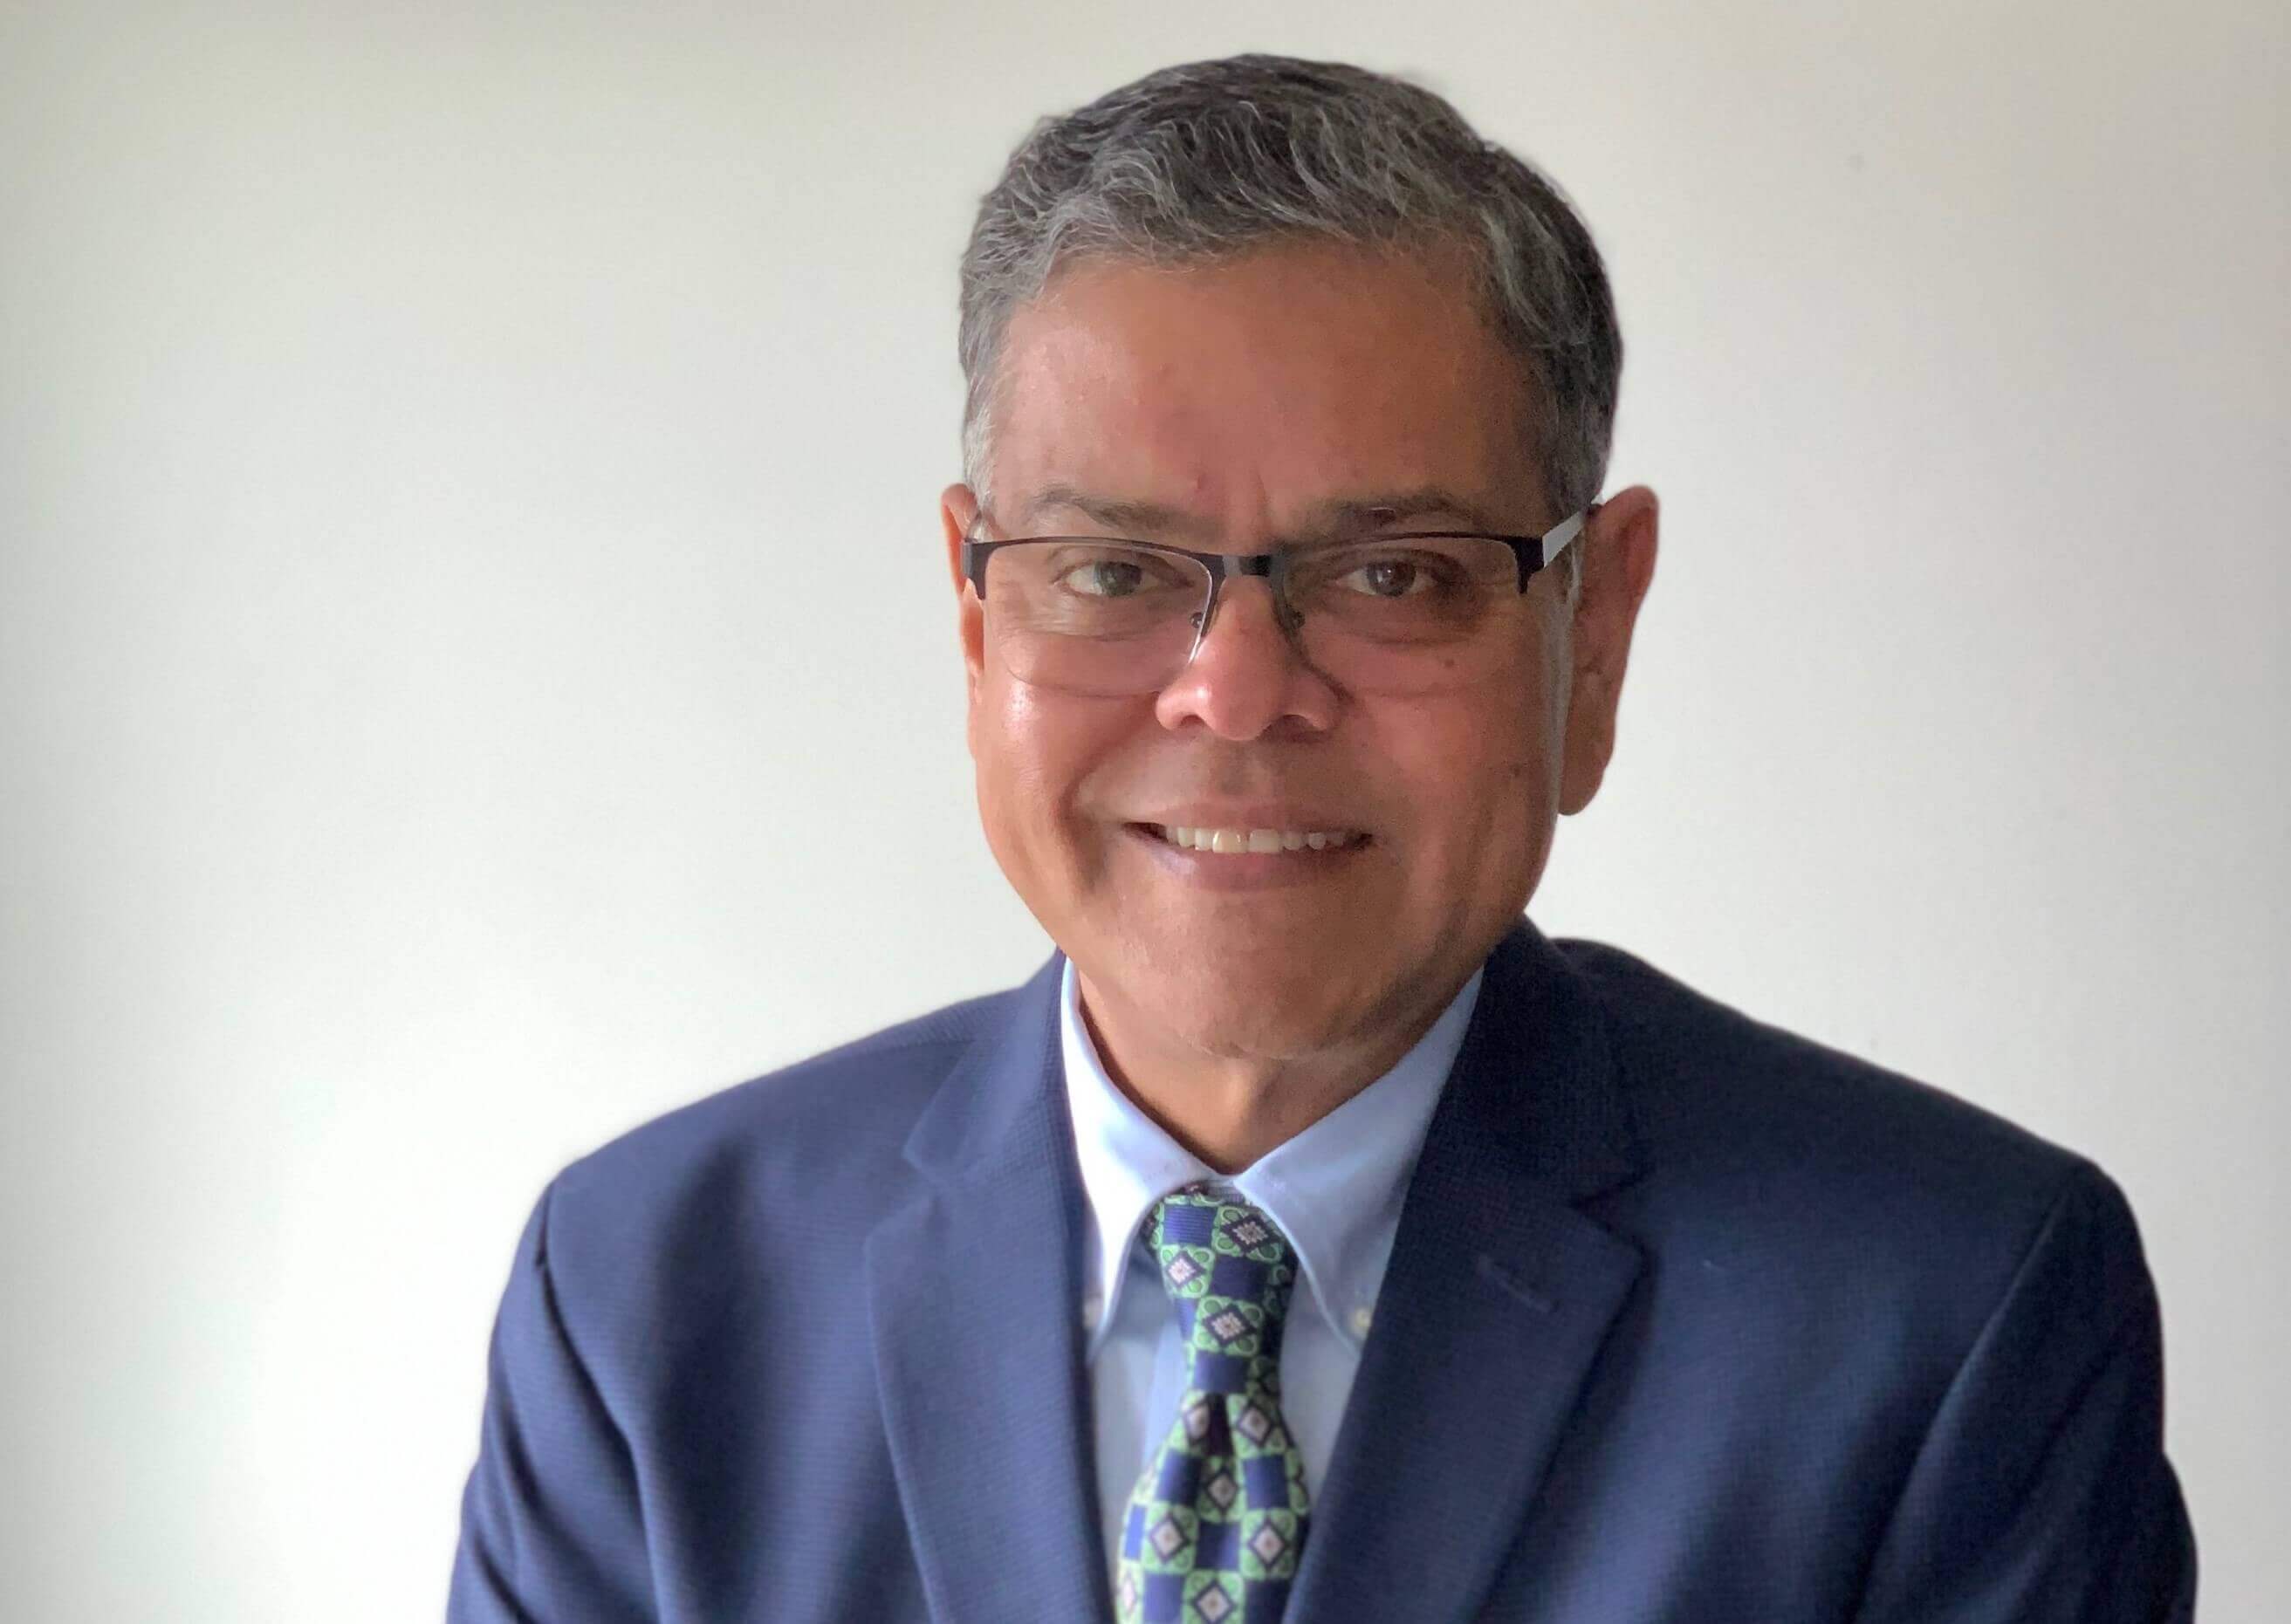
x=1090, y=1307
x=1362, y=1318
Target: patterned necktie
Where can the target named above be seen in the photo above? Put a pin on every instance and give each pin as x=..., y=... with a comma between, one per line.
x=1216, y=1520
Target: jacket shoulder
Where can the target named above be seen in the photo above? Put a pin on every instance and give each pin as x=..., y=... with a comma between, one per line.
x=1698, y=1070
x=1869, y=1209
x=1803, y=1148
x=829, y=1128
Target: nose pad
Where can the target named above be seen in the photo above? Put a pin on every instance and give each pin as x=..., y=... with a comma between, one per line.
x=1250, y=683
x=1286, y=620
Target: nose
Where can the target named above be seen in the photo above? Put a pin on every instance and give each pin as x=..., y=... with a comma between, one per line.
x=1247, y=675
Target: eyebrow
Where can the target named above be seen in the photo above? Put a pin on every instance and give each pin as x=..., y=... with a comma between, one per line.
x=1337, y=517
x=1113, y=512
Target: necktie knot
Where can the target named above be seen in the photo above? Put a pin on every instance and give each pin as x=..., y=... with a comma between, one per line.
x=1230, y=1272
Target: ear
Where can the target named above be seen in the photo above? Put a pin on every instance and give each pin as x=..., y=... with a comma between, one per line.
x=1618, y=552
x=958, y=508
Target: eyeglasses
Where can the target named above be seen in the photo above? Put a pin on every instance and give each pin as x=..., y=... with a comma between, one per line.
x=1404, y=614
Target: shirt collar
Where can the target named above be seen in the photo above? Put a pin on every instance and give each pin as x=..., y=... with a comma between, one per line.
x=1335, y=1189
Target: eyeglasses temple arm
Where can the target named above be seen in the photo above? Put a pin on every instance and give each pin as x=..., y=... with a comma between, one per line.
x=1556, y=539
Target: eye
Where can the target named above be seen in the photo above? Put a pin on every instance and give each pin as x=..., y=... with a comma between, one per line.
x=1394, y=576
x=1115, y=574
x=1104, y=578
x=1385, y=578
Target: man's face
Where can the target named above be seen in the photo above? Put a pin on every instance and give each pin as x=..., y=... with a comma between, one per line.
x=1246, y=398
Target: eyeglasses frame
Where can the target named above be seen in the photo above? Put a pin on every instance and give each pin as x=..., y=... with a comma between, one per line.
x=1532, y=554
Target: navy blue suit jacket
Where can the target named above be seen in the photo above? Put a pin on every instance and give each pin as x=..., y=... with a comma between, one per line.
x=1687, y=1319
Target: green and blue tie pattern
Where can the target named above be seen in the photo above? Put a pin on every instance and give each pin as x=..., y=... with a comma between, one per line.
x=1217, y=1519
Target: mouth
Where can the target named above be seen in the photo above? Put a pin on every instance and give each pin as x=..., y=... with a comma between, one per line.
x=1259, y=860
x=1246, y=842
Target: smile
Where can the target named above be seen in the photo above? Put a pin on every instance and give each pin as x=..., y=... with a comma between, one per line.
x=1235, y=842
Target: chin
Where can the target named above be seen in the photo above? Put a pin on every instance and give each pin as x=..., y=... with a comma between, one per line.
x=1236, y=1005
x=1234, y=1032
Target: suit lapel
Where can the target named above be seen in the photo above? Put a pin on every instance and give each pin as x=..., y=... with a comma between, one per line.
x=974, y=1297
x=1493, y=1307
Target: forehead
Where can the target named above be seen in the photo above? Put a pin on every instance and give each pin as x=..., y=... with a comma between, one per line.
x=1250, y=394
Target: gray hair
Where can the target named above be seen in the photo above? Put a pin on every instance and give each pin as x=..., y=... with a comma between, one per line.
x=1207, y=160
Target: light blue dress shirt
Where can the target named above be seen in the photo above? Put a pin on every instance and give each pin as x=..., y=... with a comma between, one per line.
x=1335, y=1190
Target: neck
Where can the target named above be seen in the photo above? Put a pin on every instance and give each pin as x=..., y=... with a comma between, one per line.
x=1229, y=1109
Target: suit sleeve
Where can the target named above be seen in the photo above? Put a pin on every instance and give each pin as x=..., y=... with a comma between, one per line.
x=552, y=1530
x=2041, y=1491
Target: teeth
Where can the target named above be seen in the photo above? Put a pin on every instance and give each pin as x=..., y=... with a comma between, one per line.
x=1230, y=840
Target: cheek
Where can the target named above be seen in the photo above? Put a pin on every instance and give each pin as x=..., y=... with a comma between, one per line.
x=1034, y=755
x=1485, y=778
x=1010, y=743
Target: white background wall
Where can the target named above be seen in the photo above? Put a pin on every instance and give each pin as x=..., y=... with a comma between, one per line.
x=427, y=746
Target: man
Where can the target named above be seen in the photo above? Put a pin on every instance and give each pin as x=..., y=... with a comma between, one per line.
x=1311, y=1239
